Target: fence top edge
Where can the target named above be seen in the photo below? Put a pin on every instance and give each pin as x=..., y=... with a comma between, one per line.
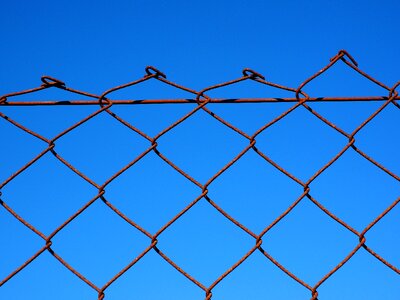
x=193, y=101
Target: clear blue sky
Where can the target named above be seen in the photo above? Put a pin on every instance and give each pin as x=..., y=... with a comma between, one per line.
x=96, y=45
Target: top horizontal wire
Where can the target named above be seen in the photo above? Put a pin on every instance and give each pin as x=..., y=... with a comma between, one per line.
x=194, y=101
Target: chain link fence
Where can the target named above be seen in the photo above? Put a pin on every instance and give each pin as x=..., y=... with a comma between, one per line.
x=204, y=191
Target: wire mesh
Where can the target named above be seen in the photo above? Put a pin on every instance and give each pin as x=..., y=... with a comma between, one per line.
x=202, y=104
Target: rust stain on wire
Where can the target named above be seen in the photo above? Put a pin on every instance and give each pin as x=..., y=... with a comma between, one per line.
x=201, y=99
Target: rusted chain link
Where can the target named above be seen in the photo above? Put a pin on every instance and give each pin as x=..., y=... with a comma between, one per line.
x=201, y=98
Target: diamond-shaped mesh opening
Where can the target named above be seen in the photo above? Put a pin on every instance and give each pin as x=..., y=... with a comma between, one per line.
x=249, y=117
x=149, y=89
x=384, y=237
x=380, y=140
x=358, y=279
x=206, y=146
x=340, y=80
x=151, y=187
x=101, y=147
x=48, y=121
x=346, y=115
x=19, y=145
x=254, y=192
x=258, y=278
x=47, y=193
x=152, y=119
x=50, y=94
x=355, y=190
x=194, y=232
x=240, y=116
x=301, y=240
x=46, y=278
x=154, y=278
x=300, y=143
x=248, y=89
x=14, y=233
x=98, y=238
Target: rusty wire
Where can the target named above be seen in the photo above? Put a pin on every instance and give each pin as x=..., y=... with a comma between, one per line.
x=201, y=98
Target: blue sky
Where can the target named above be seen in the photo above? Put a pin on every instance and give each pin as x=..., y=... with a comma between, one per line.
x=96, y=45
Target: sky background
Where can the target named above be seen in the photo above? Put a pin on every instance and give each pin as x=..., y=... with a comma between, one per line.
x=95, y=45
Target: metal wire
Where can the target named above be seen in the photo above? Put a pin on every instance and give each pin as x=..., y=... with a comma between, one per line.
x=105, y=104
